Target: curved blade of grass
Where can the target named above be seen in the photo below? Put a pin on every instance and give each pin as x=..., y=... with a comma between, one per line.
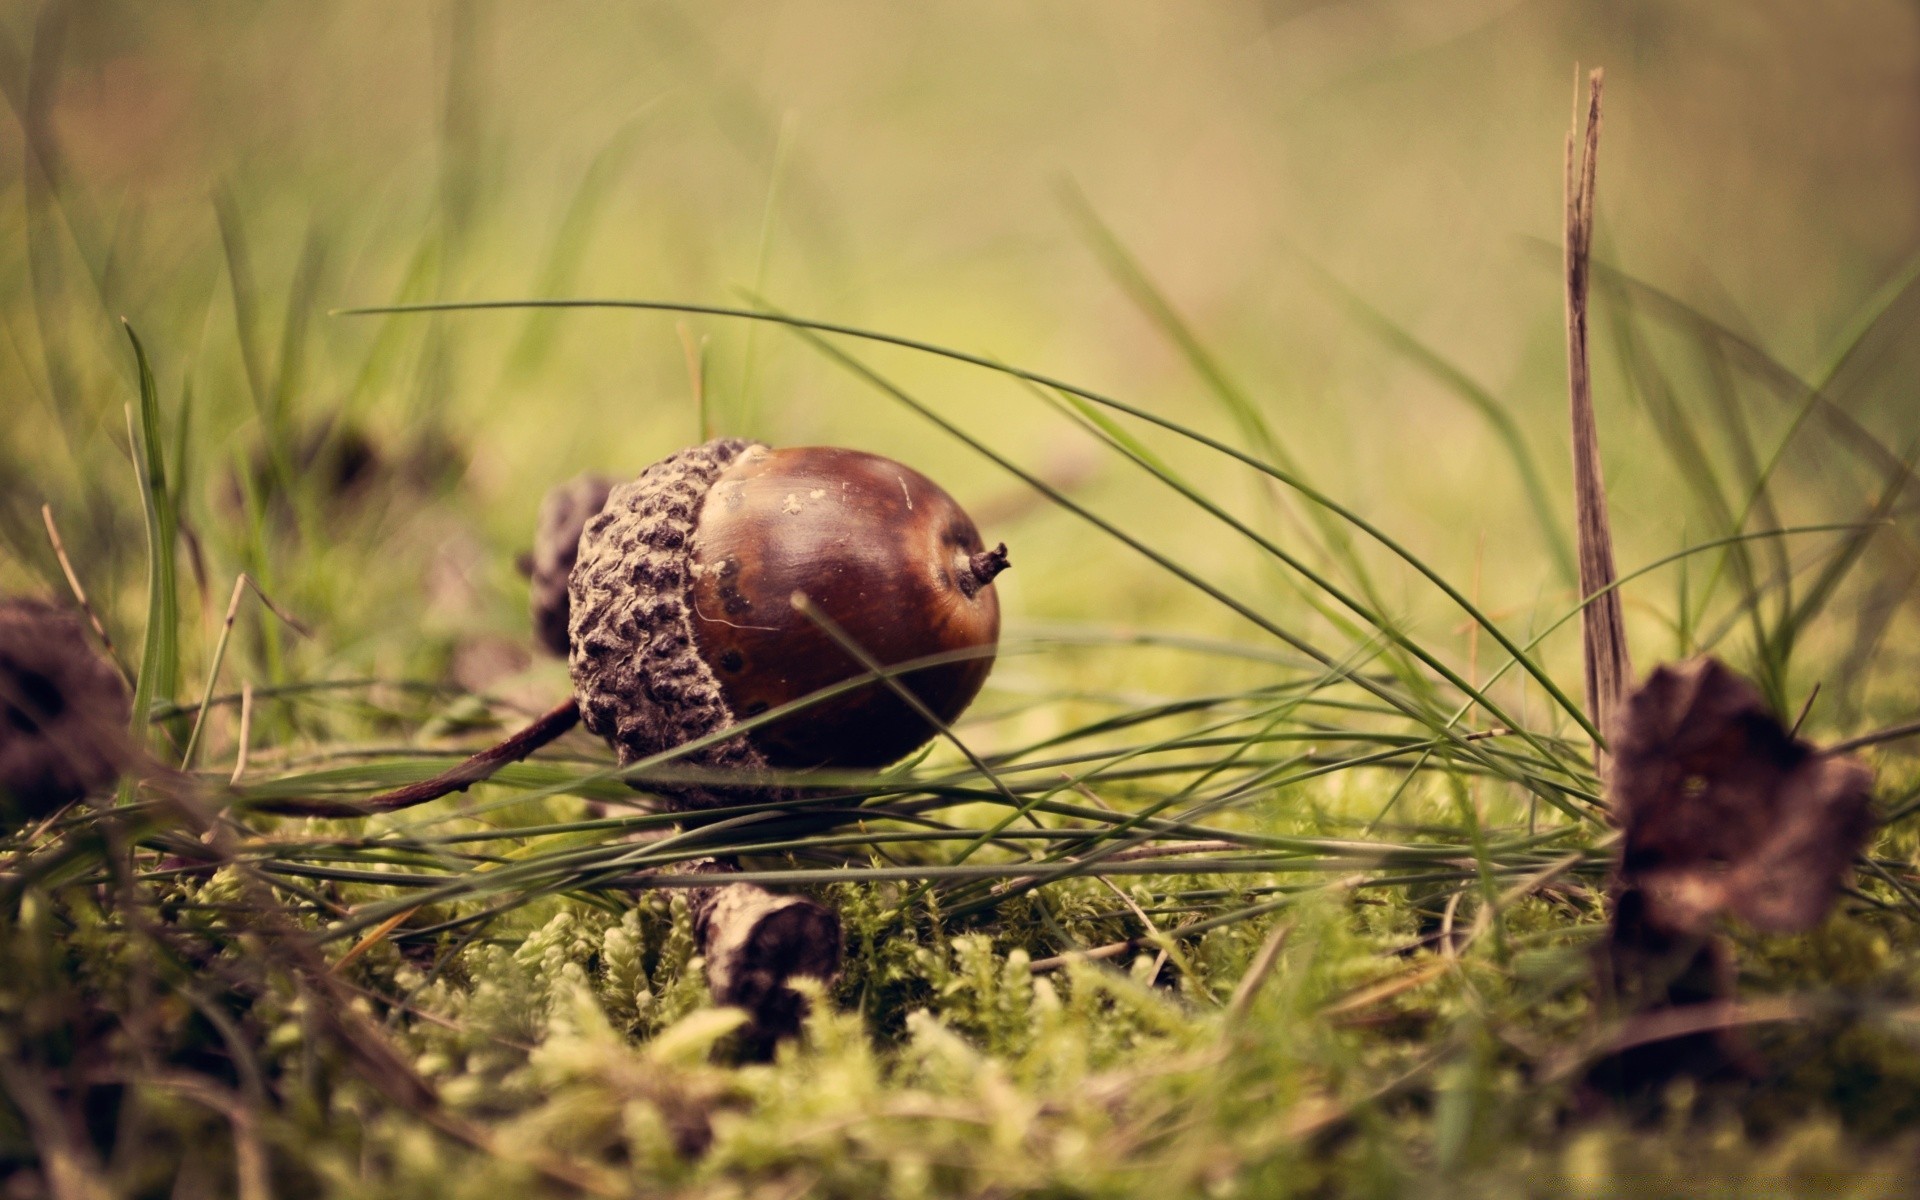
x=1452, y=593
x=1407, y=705
x=1655, y=565
x=160, y=654
x=1688, y=452
x=1115, y=437
x=1365, y=611
x=1778, y=649
x=1239, y=405
x=1782, y=380
x=1398, y=338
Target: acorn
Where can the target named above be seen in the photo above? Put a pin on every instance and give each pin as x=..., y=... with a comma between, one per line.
x=63, y=712
x=556, y=545
x=682, y=618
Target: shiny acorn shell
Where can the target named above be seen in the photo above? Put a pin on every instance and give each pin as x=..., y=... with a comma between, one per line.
x=884, y=554
x=681, y=620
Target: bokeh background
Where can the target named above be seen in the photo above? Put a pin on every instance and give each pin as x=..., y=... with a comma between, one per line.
x=225, y=174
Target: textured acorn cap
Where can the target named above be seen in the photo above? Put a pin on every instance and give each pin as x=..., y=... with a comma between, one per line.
x=564, y=514
x=63, y=711
x=637, y=671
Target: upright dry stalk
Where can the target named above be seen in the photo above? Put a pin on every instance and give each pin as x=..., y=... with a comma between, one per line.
x=1609, y=670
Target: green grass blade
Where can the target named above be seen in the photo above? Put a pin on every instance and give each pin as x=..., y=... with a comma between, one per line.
x=1447, y=374
x=1784, y=636
x=1453, y=594
x=1231, y=396
x=160, y=656
x=246, y=305
x=573, y=238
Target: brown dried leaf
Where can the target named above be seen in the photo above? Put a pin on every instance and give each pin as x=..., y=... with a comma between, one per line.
x=1725, y=811
x=1722, y=810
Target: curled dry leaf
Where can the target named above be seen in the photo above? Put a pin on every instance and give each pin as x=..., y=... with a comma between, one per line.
x=1724, y=810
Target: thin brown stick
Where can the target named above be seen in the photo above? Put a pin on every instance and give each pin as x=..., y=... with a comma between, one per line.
x=1174, y=851
x=479, y=768
x=80, y=593
x=1152, y=929
x=246, y=731
x=1892, y=733
x=1386, y=989
x=1804, y=710
x=213, y=672
x=1258, y=970
x=259, y=592
x=1609, y=669
x=373, y=938
x=1669, y=1023
x=1094, y=955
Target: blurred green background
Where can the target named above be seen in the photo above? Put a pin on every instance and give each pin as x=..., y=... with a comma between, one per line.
x=223, y=174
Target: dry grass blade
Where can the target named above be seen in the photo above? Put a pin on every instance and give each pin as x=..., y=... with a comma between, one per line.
x=373, y=938
x=1608, y=668
x=80, y=593
x=1257, y=972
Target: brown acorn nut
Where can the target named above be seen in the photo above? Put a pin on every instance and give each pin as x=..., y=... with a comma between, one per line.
x=63, y=712
x=681, y=618
x=885, y=554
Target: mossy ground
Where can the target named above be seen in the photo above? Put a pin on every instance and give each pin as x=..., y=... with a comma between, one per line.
x=1306, y=231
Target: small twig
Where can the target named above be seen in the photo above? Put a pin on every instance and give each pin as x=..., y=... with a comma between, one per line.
x=246, y=731
x=479, y=768
x=1447, y=947
x=1081, y=787
x=1152, y=929
x=80, y=593
x=1669, y=1023
x=373, y=938
x=1258, y=970
x=1142, y=852
x=1323, y=1122
x=241, y=583
x=1609, y=669
x=1110, y=950
x=1804, y=710
x=1173, y=851
x=1386, y=989
x=1127, y=900
x=1892, y=733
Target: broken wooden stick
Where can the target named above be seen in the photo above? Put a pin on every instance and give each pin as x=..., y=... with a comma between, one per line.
x=756, y=942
